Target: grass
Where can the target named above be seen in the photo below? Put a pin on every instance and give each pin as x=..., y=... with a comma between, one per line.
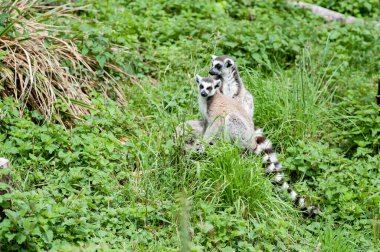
x=293, y=103
x=43, y=71
x=118, y=181
x=336, y=240
x=223, y=189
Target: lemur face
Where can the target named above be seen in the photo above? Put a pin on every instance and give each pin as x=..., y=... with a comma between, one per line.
x=221, y=65
x=207, y=86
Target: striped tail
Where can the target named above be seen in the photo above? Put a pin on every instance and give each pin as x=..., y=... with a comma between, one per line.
x=272, y=166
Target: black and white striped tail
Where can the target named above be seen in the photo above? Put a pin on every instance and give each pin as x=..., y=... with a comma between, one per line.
x=272, y=166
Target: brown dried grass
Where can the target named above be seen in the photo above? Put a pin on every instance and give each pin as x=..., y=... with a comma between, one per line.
x=45, y=72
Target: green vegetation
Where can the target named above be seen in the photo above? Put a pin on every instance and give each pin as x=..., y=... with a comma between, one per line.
x=43, y=71
x=117, y=180
x=357, y=8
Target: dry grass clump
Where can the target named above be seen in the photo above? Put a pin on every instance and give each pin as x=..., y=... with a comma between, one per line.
x=45, y=72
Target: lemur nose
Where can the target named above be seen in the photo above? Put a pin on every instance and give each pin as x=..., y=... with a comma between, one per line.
x=203, y=93
x=211, y=72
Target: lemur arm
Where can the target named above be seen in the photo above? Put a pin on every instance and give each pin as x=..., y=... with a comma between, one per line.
x=249, y=104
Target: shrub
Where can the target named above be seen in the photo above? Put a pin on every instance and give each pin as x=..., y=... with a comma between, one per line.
x=43, y=71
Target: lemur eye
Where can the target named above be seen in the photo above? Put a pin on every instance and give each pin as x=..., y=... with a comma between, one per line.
x=218, y=66
x=209, y=88
x=201, y=86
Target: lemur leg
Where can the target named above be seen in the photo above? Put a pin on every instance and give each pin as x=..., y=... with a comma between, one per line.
x=239, y=130
x=189, y=132
x=213, y=130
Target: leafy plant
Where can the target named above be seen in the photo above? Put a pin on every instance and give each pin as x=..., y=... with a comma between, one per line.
x=118, y=181
x=359, y=124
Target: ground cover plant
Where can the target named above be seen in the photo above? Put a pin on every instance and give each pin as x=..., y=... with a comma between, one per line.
x=117, y=180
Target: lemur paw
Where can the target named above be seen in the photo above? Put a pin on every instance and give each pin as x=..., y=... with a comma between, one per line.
x=312, y=212
x=200, y=148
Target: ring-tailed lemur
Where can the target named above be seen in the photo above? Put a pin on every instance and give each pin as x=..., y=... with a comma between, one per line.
x=225, y=115
x=225, y=69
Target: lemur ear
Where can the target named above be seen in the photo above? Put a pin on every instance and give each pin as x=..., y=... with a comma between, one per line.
x=213, y=56
x=229, y=62
x=198, y=78
x=217, y=83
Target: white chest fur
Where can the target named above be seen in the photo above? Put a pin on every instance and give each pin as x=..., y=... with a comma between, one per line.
x=202, y=105
x=230, y=87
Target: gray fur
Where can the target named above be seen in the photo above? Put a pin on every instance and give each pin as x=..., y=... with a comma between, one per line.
x=224, y=115
x=225, y=69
